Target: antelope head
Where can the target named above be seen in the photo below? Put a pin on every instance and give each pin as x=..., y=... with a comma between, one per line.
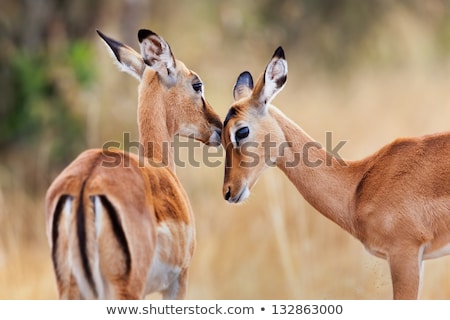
x=171, y=96
x=249, y=129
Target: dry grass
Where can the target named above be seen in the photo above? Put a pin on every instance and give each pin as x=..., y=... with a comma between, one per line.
x=25, y=265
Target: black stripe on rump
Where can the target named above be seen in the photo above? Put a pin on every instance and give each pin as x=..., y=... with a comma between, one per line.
x=55, y=231
x=118, y=231
x=82, y=242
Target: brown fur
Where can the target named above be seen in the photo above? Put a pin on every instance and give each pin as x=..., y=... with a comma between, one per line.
x=396, y=201
x=146, y=234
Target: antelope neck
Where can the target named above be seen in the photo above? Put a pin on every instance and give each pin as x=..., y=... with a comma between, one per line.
x=155, y=132
x=327, y=184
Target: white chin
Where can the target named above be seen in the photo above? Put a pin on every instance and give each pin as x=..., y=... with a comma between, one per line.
x=241, y=197
x=245, y=194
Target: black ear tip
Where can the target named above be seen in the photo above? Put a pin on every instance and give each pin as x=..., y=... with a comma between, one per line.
x=144, y=33
x=245, y=75
x=246, y=79
x=279, y=53
x=113, y=44
x=101, y=34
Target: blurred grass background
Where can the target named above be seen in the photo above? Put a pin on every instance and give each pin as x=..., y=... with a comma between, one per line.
x=369, y=71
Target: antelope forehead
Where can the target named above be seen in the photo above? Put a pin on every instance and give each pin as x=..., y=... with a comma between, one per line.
x=231, y=114
x=181, y=66
x=234, y=111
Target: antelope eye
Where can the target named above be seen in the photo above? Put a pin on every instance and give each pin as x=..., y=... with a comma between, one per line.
x=197, y=86
x=242, y=133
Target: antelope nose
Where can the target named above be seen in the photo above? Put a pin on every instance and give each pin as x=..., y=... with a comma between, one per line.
x=215, y=138
x=228, y=194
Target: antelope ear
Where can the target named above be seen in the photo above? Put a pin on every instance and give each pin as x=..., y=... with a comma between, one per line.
x=157, y=54
x=243, y=87
x=273, y=79
x=127, y=58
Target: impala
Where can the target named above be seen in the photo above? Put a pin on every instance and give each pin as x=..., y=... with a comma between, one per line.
x=125, y=230
x=396, y=201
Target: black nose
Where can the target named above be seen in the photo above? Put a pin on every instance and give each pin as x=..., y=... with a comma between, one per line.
x=228, y=194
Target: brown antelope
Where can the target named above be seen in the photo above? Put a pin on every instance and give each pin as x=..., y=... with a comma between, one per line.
x=396, y=201
x=120, y=227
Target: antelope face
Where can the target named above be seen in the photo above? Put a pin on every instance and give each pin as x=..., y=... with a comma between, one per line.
x=187, y=111
x=168, y=88
x=195, y=118
x=250, y=133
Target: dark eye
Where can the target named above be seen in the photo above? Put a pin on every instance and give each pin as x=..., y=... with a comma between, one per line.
x=197, y=86
x=242, y=133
